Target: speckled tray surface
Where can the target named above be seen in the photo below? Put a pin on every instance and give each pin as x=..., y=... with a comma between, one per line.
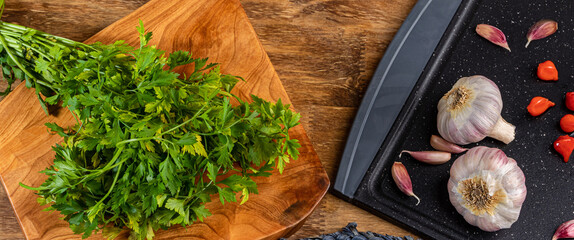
x=550, y=181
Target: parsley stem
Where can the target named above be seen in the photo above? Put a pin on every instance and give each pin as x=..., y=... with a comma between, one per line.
x=19, y=64
x=1, y=7
x=110, y=165
x=11, y=55
x=113, y=184
x=56, y=40
x=163, y=133
x=185, y=122
x=36, y=50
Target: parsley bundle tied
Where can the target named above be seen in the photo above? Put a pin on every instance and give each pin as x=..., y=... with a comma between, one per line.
x=150, y=147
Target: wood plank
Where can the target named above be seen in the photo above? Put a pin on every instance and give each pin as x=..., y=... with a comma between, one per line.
x=325, y=53
x=220, y=30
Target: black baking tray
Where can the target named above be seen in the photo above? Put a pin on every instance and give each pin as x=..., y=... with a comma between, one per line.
x=461, y=52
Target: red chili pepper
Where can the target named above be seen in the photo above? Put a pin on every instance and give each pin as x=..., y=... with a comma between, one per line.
x=564, y=145
x=547, y=71
x=570, y=100
x=539, y=105
x=567, y=123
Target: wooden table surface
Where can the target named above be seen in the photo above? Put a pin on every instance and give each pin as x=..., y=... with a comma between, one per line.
x=324, y=51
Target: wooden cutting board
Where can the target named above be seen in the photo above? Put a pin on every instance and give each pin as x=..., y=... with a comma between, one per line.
x=220, y=30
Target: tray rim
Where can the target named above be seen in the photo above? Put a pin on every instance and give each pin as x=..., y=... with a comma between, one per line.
x=368, y=184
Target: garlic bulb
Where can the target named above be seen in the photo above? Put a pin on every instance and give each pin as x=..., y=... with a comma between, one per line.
x=470, y=111
x=487, y=188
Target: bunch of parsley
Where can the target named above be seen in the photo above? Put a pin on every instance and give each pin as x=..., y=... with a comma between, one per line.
x=150, y=147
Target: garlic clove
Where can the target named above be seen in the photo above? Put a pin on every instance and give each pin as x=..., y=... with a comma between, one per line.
x=565, y=230
x=440, y=144
x=493, y=35
x=487, y=188
x=514, y=177
x=541, y=29
x=403, y=180
x=430, y=157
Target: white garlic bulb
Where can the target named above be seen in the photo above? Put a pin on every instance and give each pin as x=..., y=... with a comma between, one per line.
x=487, y=188
x=470, y=111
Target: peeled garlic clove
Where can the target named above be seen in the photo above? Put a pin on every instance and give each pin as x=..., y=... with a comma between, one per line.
x=487, y=188
x=566, y=230
x=430, y=157
x=493, y=35
x=440, y=144
x=403, y=180
x=470, y=111
x=541, y=29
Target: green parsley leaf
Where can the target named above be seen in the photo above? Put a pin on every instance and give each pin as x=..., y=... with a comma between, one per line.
x=150, y=146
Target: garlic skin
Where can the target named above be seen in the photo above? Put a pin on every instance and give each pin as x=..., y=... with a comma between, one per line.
x=487, y=188
x=470, y=111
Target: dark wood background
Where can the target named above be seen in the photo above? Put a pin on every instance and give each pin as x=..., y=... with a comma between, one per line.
x=324, y=51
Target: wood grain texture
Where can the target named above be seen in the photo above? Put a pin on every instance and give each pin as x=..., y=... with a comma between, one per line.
x=324, y=51
x=220, y=30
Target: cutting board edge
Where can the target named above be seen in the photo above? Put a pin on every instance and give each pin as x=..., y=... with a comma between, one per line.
x=12, y=205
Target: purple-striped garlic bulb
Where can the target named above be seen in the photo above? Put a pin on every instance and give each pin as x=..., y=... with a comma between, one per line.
x=487, y=188
x=470, y=111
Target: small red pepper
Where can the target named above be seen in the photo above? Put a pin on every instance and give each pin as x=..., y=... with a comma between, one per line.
x=564, y=145
x=539, y=105
x=547, y=71
x=567, y=123
x=570, y=100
